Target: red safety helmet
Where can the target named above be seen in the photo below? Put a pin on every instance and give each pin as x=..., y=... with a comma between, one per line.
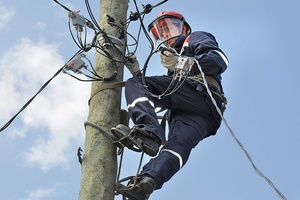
x=168, y=25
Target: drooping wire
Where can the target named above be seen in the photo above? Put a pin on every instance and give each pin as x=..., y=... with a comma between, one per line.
x=67, y=9
x=88, y=7
x=178, y=77
x=82, y=45
x=81, y=41
x=136, y=44
x=221, y=115
x=152, y=45
x=71, y=33
x=102, y=50
x=257, y=171
x=31, y=99
x=167, y=92
x=144, y=28
x=107, y=39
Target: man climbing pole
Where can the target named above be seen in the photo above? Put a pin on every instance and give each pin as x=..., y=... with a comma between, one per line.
x=191, y=113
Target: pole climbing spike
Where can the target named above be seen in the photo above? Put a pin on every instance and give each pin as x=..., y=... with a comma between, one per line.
x=129, y=194
x=123, y=138
x=138, y=187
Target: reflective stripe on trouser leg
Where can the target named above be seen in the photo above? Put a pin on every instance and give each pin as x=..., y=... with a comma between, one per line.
x=141, y=107
x=175, y=154
x=141, y=99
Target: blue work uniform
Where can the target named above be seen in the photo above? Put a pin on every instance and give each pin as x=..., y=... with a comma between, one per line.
x=191, y=113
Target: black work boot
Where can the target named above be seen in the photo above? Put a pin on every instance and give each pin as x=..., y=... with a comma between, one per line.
x=143, y=188
x=145, y=141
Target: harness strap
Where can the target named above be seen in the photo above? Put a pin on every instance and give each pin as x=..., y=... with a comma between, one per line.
x=213, y=82
x=107, y=86
x=185, y=44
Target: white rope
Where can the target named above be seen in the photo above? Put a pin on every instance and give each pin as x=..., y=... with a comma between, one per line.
x=258, y=172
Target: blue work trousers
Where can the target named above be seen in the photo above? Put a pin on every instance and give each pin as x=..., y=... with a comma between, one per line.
x=192, y=117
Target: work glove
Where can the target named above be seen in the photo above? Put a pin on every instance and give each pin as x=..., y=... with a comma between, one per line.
x=132, y=63
x=168, y=60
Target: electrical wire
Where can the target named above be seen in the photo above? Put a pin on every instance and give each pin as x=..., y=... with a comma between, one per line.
x=143, y=27
x=67, y=9
x=30, y=100
x=136, y=44
x=88, y=7
x=168, y=91
x=257, y=171
x=38, y=92
x=82, y=45
x=81, y=42
x=152, y=45
x=70, y=30
x=102, y=50
x=173, y=85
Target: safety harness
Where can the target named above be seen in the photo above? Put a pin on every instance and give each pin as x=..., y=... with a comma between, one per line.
x=210, y=80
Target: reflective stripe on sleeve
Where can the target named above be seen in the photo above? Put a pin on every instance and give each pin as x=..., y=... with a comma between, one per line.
x=222, y=56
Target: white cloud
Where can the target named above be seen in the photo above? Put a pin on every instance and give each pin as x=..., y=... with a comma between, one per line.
x=6, y=15
x=18, y=133
x=60, y=109
x=40, y=194
x=40, y=25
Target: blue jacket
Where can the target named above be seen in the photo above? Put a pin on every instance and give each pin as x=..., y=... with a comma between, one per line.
x=204, y=47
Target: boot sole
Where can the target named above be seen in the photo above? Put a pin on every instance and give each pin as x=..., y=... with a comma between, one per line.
x=131, y=194
x=127, y=140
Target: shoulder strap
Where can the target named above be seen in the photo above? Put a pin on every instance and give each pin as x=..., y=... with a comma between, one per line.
x=185, y=44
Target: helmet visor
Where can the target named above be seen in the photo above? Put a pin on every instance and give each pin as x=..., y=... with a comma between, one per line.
x=164, y=29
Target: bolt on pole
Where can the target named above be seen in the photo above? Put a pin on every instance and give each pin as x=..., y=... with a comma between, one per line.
x=99, y=165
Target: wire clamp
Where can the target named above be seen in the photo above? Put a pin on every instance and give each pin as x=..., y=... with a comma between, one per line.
x=183, y=66
x=75, y=64
x=77, y=20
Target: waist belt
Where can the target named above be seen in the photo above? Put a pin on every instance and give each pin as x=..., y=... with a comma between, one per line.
x=210, y=80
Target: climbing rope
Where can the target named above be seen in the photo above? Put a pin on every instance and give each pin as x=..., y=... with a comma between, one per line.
x=119, y=187
x=258, y=172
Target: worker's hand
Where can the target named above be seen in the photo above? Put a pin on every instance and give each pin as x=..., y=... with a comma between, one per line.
x=168, y=60
x=132, y=63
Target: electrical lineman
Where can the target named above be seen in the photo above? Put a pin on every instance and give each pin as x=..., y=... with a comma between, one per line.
x=192, y=115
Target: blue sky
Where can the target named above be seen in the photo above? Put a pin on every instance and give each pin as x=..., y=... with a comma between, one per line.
x=261, y=40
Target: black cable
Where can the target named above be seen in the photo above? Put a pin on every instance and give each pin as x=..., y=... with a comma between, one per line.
x=105, y=53
x=30, y=100
x=82, y=48
x=101, y=49
x=138, y=37
x=151, y=44
x=88, y=7
x=82, y=80
x=171, y=88
x=67, y=9
x=69, y=24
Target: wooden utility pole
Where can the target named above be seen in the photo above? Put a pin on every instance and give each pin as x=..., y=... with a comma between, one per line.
x=99, y=165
